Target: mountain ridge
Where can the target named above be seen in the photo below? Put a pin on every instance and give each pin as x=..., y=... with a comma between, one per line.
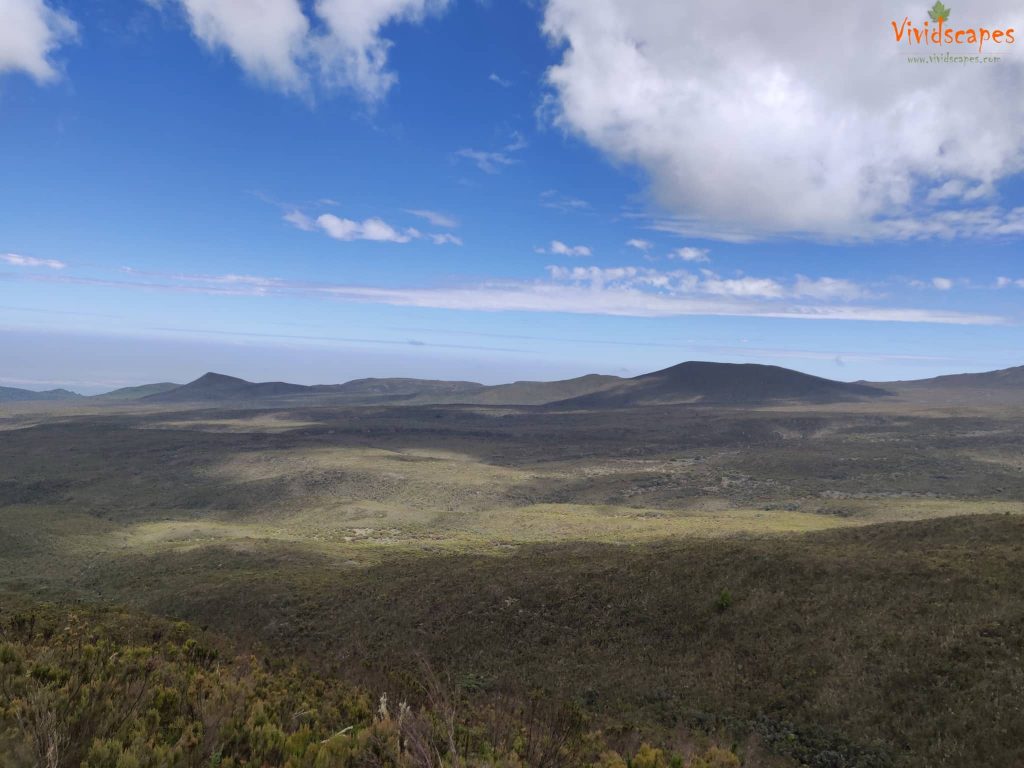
x=692, y=381
x=19, y=395
x=698, y=381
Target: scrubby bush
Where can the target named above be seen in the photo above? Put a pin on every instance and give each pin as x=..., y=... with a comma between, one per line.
x=108, y=690
x=724, y=600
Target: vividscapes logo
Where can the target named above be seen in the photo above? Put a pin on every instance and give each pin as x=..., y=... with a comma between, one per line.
x=940, y=32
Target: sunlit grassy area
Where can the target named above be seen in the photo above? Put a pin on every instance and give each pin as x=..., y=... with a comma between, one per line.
x=788, y=569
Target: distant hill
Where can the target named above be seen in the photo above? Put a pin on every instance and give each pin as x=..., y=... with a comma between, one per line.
x=134, y=393
x=692, y=382
x=216, y=387
x=541, y=392
x=1005, y=378
x=14, y=395
x=402, y=387
x=723, y=383
x=1003, y=387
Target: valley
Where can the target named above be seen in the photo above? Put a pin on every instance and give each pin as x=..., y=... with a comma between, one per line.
x=841, y=571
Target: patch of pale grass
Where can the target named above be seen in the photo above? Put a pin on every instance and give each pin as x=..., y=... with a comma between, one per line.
x=269, y=423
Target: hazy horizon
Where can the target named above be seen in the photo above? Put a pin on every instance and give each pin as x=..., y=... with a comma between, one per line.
x=464, y=190
x=173, y=361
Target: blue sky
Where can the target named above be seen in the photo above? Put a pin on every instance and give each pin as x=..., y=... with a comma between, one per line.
x=496, y=191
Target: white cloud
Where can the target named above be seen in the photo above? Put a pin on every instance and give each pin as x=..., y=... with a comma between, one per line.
x=30, y=32
x=354, y=54
x=828, y=288
x=493, y=161
x=681, y=281
x=445, y=238
x=688, y=253
x=373, y=229
x=299, y=220
x=942, y=283
x=561, y=249
x=435, y=218
x=17, y=260
x=275, y=42
x=811, y=124
x=268, y=38
x=551, y=198
x=494, y=78
x=990, y=221
x=640, y=245
x=1005, y=282
x=761, y=287
x=619, y=291
x=488, y=162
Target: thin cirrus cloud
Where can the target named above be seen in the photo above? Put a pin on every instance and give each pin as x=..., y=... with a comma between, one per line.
x=552, y=198
x=17, y=260
x=437, y=219
x=492, y=161
x=373, y=229
x=681, y=281
x=338, y=46
x=830, y=133
x=31, y=32
x=618, y=291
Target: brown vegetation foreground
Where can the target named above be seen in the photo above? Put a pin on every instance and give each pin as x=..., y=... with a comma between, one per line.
x=897, y=644
x=104, y=689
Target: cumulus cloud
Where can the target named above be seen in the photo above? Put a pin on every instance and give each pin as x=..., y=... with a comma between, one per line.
x=942, y=283
x=640, y=245
x=559, y=248
x=374, y=228
x=17, y=260
x=340, y=45
x=688, y=253
x=495, y=78
x=268, y=38
x=788, y=122
x=30, y=32
x=354, y=53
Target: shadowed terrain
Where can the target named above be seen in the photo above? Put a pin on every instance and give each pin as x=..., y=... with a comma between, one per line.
x=825, y=584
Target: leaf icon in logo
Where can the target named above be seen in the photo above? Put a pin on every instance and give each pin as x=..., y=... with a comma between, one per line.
x=939, y=12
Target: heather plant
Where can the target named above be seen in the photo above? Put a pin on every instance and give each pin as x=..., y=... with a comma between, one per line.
x=109, y=690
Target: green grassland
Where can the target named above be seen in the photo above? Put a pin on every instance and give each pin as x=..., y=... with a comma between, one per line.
x=828, y=586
